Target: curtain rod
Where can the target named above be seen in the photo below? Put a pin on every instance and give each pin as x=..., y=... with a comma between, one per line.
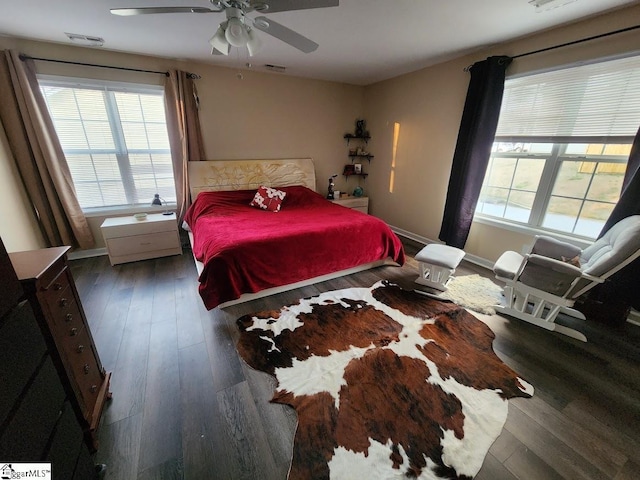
x=594, y=37
x=23, y=57
x=615, y=32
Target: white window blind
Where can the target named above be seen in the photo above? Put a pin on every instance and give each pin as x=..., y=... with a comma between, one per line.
x=598, y=102
x=114, y=139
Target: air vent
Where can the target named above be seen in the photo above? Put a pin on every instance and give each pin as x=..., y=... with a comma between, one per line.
x=275, y=68
x=86, y=40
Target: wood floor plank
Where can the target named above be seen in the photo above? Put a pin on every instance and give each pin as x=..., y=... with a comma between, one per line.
x=162, y=415
x=504, y=446
x=564, y=460
x=226, y=366
x=119, y=448
x=188, y=305
x=108, y=335
x=204, y=444
x=602, y=423
x=171, y=469
x=493, y=469
x=164, y=299
x=248, y=446
x=277, y=419
x=600, y=453
x=630, y=471
x=128, y=389
x=524, y=464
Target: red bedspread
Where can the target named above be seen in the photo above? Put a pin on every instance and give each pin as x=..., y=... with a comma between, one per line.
x=246, y=250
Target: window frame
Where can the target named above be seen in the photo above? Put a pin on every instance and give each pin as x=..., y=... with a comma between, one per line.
x=553, y=163
x=120, y=151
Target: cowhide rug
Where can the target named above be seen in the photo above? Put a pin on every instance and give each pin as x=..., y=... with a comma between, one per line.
x=387, y=383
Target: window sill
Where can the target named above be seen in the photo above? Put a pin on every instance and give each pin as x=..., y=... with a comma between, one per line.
x=127, y=210
x=528, y=230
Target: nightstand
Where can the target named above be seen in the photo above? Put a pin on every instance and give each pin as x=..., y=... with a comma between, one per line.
x=130, y=240
x=357, y=203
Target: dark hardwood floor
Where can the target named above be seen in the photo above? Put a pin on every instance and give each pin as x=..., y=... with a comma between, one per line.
x=185, y=406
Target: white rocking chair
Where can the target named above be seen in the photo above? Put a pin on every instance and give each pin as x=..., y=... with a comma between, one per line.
x=547, y=280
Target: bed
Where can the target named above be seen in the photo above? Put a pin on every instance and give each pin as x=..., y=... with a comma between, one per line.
x=243, y=252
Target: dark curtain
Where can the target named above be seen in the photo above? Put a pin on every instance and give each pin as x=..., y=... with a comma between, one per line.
x=610, y=302
x=629, y=203
x=473, y=149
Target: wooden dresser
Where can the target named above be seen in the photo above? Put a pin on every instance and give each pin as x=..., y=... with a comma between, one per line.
x=51, y=291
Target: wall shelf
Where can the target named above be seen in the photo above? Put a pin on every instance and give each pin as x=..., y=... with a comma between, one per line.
x=354, y=156
x=363, y=175
x=350, y=136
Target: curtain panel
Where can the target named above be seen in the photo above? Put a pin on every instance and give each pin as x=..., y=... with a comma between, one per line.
x=473, y=148
x=38, y=155
x=185, y=136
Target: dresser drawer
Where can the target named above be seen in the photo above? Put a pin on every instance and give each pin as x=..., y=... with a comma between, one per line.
x=37, y=413
x=86, y=371
x=356, y=203
x=22, y=349
x=128, y=226
x=142, y=243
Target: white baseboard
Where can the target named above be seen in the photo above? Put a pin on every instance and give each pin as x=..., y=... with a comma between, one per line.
x=482, y=262
x=93, y=252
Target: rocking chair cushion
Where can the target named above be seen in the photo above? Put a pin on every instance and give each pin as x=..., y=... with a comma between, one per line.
x=550, y=247
x=619, y=243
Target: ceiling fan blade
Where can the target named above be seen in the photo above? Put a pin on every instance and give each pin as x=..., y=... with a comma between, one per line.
x=146, y=10
x=285, y=34
x=286, y=5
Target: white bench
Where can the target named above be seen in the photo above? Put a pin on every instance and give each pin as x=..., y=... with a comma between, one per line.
x=437, y=264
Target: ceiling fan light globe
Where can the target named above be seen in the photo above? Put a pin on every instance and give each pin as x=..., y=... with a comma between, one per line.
x=236, y=33
x=254, y=45
x=219, y=42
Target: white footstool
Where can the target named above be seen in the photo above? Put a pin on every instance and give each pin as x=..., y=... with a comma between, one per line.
x=437, y=264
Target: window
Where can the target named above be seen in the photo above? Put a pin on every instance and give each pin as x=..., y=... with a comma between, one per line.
x=115, y=140
x=561, y=147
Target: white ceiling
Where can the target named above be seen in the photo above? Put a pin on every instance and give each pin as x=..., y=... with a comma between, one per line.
x=361, y=41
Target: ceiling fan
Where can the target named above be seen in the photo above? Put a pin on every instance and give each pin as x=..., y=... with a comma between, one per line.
x=238, y=30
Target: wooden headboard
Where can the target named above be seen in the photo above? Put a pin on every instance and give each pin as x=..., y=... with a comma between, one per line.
x=216, y=175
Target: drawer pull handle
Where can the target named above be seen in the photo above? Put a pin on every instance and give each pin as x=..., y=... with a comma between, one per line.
x=145, y=243
x=73, y=332
x=94, y=388
x=80, y=348
x=63, y=302
x=57, y=286
x=69, y=317
x=86, y=368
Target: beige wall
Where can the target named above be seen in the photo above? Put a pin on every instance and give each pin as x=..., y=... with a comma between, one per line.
x=428, y=106
x=263, y=115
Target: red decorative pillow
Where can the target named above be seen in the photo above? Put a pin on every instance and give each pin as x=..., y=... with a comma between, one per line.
x=268, y=199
